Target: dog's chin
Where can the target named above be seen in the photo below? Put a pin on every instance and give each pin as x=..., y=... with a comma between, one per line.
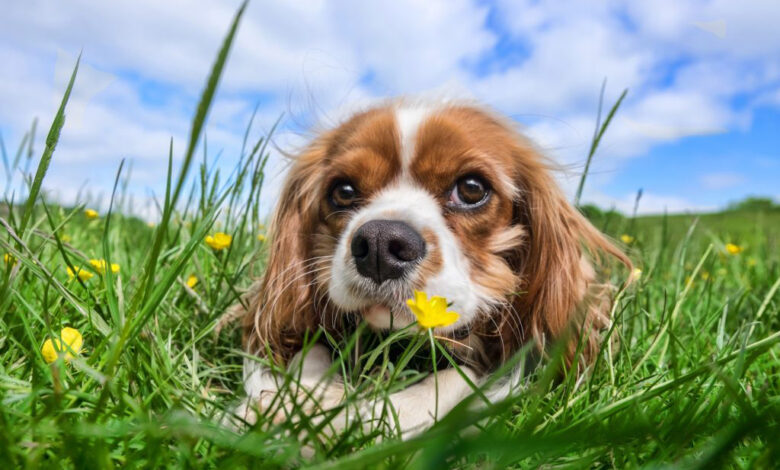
x=382, y=308
x=381, y=317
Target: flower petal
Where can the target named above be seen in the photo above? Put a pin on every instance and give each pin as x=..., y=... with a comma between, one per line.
x=414, y=308
x=438, y=305
x=420, y=298
x=448, y=318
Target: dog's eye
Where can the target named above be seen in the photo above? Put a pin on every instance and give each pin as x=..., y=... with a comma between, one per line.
x=469, y=192
x=343, y=195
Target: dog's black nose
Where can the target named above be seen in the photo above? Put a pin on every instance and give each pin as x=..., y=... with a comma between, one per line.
x=386, y=249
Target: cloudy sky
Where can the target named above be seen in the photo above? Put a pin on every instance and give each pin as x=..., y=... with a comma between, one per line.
x=700, y=126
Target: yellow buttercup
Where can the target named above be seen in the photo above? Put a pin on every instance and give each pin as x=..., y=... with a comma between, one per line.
x=431, y=313
x=100, y=266
x=82, y=273
x=219, y=241
x=68, y=345
x=733, y=249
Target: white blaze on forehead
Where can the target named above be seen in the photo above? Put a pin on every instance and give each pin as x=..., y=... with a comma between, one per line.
x=409, y=119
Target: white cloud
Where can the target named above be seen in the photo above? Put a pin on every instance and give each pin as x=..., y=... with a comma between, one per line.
x=650, y=203
x=769, y=98
x=721, y=180
x=717, y=27
x=750, y=26
x=567, y=65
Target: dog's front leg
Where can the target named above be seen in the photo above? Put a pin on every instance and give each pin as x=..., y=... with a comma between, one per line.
x=306, y=386
x=416, y=408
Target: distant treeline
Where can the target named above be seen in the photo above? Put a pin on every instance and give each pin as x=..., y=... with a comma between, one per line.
x=754, y=203
x=749, y=204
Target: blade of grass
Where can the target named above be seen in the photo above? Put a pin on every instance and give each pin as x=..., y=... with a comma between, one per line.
x=51, y=143
x=597, y=139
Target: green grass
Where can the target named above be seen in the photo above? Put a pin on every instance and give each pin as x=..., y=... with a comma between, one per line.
x=694, y=380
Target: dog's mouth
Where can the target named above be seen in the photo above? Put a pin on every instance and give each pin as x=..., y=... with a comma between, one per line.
x=381, y=317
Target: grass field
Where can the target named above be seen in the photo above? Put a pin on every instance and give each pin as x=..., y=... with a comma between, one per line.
x=693, y=382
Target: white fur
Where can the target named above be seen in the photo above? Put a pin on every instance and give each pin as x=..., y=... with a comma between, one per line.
x=409, y=119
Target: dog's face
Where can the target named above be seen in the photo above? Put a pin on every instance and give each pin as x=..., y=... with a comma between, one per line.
x=448, y=200
x=416, y=198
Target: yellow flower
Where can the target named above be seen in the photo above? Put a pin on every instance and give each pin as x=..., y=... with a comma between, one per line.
x=260, y=237
x=191, y=281
x=9, y=259
x=431, y=313
x=91, y=213
x=636, y=274
x=100, y=266
x=627, y=239
x=219, y=241
x=733, y=249
x=82, y=273
x=705, y=275
x=68, y=344
x=65, y=238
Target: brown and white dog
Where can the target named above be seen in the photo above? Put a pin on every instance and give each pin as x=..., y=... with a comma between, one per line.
x=444, y=198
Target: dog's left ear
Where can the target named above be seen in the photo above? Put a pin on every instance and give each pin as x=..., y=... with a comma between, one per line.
x=279, y=309
x=560, y=295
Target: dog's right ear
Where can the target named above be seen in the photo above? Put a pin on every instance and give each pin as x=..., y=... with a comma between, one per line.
x=279, y=308
x=564, y=293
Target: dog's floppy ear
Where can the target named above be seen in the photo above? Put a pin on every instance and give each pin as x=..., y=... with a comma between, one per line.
x=280, y=308
x=560, y=294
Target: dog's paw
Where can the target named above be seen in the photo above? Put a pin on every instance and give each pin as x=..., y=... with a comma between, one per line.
x=299, y=402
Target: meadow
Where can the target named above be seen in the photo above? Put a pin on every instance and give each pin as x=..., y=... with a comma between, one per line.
x=693, y=382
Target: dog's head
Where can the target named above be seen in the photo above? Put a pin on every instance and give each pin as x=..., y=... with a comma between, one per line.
x=445, y=199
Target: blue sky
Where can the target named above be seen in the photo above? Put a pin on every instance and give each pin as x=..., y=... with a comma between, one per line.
x=699, y=128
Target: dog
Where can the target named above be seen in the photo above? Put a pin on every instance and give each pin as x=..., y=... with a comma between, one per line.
x=445, y=198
